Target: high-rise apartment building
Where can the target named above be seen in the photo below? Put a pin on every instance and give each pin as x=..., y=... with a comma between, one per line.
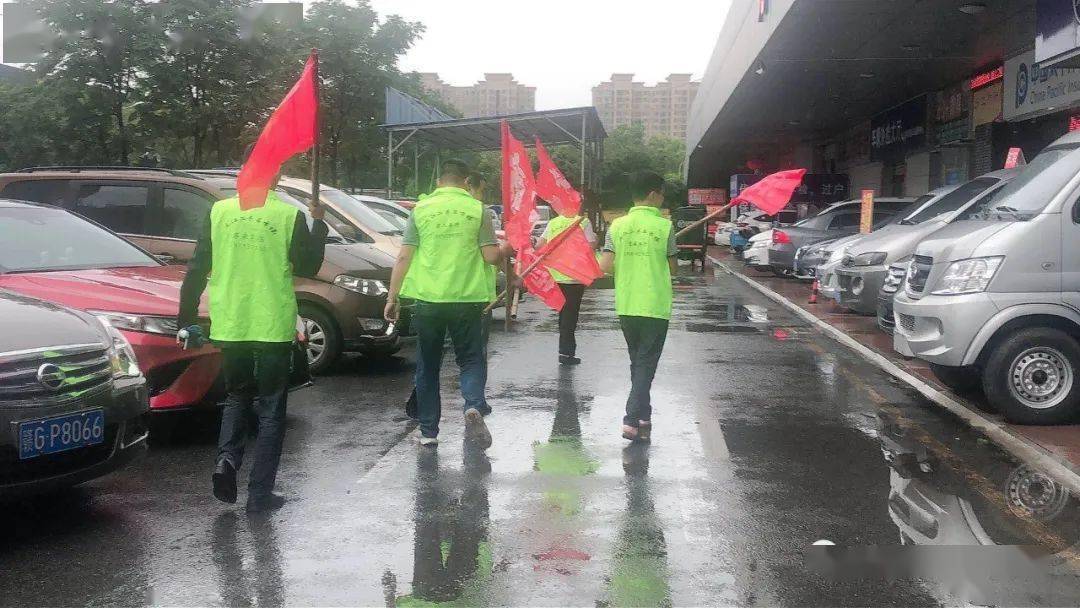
x=495, y=95
x=662, y=109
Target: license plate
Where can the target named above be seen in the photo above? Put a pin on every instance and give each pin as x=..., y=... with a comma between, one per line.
x=61, y=433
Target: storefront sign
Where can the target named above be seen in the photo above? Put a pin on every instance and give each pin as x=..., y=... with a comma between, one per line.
x=899, y=131
x=822, y=189
x=866, y=217
x=1074, y=123
x=952, y=132
x=1015, y=158
x=706, y=196
x=981, y=80
x=1057, y=31
x=949, y=105
x=986, y=104
x=1031, y=89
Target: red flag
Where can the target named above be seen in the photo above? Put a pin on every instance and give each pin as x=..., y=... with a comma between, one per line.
x=772, y=193
x=572, y=256
x=519, y=191
x=539, y=281
x=290, y=130
x=552, y=186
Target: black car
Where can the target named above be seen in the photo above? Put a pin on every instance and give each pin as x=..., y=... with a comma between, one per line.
x=71, y=397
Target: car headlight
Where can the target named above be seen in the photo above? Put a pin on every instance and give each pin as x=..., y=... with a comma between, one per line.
x=121, y=356
x=870, y=258
x=968, y=276
x=166, y=326
x=367, y=287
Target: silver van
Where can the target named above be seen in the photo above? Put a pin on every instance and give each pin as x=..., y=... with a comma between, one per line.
x=992, y=300
x=863, y=269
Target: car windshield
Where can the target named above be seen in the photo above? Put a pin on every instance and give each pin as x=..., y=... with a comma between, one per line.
x=951, y=201
x=1032, y=189
x=393, y=218
x=359, y=212
x=38, y=239
x=912, y=208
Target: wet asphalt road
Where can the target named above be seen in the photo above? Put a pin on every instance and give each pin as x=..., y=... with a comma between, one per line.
x=767, y=438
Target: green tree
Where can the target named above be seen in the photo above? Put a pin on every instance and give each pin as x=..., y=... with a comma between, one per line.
x=627, y=151
x=358, y=60
x=96, y=60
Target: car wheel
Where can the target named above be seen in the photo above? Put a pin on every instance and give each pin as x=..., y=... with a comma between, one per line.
x=323, y=338
x=1031, y=377
x=780, y=272
x=966, y=380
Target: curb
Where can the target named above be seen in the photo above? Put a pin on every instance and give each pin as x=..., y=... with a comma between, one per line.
x=1024, y=450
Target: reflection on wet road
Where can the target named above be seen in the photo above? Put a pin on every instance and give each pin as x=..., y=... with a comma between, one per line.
x=767, y=438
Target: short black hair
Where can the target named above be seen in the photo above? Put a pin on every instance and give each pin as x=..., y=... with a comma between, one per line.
x=475, y=178
x=454, y=169
x=644, y=183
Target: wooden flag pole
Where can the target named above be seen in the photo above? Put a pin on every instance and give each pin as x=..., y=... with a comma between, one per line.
x=315, y=200
x=555, y=242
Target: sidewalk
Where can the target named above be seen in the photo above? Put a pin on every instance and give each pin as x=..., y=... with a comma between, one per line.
x=1061, y=443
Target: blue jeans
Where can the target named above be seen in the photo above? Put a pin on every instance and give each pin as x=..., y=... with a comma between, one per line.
x=464, y=322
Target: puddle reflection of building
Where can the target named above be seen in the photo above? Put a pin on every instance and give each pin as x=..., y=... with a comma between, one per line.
x=640, y=576
x=262, y=584
x=452, y=559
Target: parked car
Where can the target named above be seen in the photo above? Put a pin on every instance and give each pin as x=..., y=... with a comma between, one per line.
x=758, y=220
x=863, y=271
x=836, y=220
x=894, y=280
x=810, y=258
x=162, y=212
x=826, y=255
x=389, y=210
x=756, y=254
x=55, y=255
x=993, y=299
x=71, y=397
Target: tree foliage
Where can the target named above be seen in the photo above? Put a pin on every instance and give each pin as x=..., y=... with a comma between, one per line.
x=189, y=84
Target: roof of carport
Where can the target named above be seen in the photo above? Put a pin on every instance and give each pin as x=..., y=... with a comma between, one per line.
x=832, y=63
x=553, y=127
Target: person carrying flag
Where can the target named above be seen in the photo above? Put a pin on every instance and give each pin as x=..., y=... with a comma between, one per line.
x=250, y=258
x=448, y=240
x=640, y=249
x=572, y=289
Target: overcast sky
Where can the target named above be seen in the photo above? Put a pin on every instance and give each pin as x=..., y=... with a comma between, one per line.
x=561, y=47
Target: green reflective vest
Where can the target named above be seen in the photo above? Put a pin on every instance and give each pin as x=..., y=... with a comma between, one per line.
x=556, y=227
x=448, y=265
x=251, y=282
x=642, y=274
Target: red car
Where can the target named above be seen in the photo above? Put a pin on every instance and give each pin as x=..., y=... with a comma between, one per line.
x=52, y=254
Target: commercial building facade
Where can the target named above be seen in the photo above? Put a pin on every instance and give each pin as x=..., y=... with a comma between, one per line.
x=901, y=96
x=498, y=94
x=663, y=109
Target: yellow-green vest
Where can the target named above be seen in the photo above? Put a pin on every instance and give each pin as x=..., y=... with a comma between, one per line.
x=448, y=265
x=642, y=274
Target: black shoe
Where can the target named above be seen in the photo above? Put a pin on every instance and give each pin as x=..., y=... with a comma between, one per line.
x=270, y=502
x=225, y=482
x=568, y=360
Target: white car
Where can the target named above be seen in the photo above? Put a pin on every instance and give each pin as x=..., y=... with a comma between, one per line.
x=757, y=254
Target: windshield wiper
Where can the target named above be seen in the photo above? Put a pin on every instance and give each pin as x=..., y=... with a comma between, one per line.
x=906, y=222
x=1005, y=209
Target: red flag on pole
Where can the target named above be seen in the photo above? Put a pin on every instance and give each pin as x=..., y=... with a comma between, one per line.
x=290, y=130
x=572, y=256
x=539, y=281
x=772, y=193
x=519, y=191
x=552, y=186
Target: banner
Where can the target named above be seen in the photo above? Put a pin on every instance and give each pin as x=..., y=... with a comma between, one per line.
x=552, y=186
x=519, y=191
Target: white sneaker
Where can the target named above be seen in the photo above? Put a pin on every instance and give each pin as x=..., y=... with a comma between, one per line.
x=429, y=440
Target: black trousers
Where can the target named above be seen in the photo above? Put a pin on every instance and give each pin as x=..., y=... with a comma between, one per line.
x=645, y=338
x=257, y=381
x=568, y=318
x=464, y=321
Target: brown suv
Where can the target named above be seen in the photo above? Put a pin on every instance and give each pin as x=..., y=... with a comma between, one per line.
x=162, y=211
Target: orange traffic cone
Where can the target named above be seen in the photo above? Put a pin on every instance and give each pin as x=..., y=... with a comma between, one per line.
x=813, y=292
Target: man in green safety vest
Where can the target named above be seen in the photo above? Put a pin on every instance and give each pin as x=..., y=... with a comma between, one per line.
x=572, y=290
x=250, y=258
x=448, y=240
x=640, y=249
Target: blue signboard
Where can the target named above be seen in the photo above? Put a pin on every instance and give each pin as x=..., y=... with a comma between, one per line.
x=1057, y=31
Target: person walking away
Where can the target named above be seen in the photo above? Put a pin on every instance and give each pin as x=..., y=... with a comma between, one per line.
x=475, y=184
x=572, y=290
x=250, y=258
x=640, y=249
x=447, y=241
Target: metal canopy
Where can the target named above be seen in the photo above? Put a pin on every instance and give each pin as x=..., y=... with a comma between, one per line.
x=553, y=127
